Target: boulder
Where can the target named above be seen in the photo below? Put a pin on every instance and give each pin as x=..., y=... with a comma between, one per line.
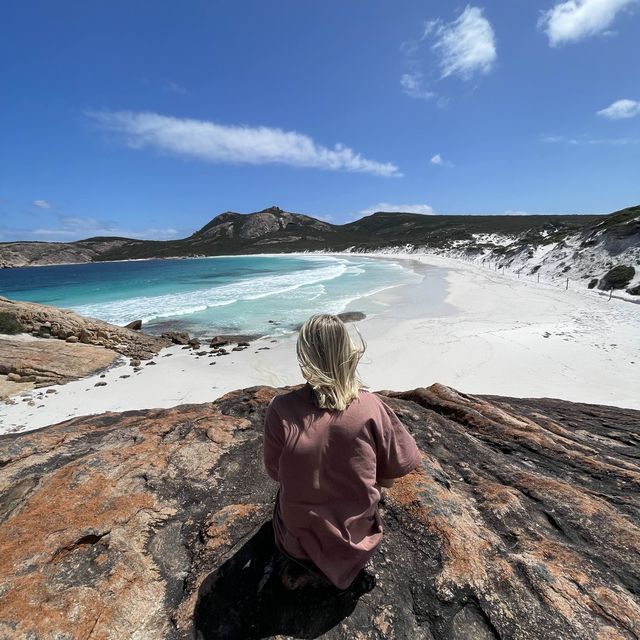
x=41, y=320
x=522, y=523
x=136, y=325
x=351, y=316
x=238, y=339
x=177, y=337
x=48, y=362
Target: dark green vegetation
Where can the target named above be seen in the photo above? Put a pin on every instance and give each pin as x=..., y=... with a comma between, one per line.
x=276, y=231
x=9, y=324
x=232, y=233
x=617, y=278
x=622, y=223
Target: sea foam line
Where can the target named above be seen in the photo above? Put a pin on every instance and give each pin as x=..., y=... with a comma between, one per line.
x=149, y=308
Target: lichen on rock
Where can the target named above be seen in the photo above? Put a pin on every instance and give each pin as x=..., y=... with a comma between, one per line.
x=522, y=523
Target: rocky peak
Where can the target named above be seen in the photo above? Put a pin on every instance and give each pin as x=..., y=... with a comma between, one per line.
x=251, y=226
x=274, y=209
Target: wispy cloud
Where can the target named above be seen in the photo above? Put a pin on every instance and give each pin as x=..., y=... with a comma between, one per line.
x=413, y=85
x=463, y=47
x=213, y=142
x=42, y=204
x=575, y=20
x=79, y=227
x=621, y=109
x=67, y=228
x=173, y=87
x=388, y=207
x=439, y=161
x=466, y=46
x=587, y=140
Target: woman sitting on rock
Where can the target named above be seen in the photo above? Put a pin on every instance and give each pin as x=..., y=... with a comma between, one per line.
x=331, y=445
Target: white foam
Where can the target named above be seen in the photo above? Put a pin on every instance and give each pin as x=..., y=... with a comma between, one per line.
x=149, y=308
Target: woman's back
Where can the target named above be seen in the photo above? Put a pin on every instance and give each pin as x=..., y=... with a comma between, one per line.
x=328, y=464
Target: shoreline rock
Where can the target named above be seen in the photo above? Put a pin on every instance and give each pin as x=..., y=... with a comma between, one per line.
x=67, y=325
x=240, y=339
x=37, y=363
x=522, y=522
x=352, y=316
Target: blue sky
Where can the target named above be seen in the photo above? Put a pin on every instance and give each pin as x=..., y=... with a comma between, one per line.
x=147, y=119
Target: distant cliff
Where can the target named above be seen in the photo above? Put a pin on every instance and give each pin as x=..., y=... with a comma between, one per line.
x=587, y=246
x=521, y=524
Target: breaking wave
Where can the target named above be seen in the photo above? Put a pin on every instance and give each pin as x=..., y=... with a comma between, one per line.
x=148, y=308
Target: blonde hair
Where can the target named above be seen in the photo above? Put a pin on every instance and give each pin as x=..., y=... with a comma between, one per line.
x=328, y=359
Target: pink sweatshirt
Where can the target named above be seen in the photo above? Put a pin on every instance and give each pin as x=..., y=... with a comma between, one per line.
x=327, y=464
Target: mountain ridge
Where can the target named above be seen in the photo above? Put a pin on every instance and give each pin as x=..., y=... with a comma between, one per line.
x=587, y=245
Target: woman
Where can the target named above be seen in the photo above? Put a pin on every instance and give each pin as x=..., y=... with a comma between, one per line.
x=331, y=445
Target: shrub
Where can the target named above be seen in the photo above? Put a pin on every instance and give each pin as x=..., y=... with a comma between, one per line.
x=592, y=283
x=634, y=291
x=9, y=324
x=617, y=278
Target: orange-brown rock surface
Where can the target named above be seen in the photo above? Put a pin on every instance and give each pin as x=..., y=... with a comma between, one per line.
x=46, y=362
x=523, y=523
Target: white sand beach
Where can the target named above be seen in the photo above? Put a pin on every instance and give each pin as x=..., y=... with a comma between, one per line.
x=462, y=325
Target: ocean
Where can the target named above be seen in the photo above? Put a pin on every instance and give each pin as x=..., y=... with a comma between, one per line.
x=266, y=295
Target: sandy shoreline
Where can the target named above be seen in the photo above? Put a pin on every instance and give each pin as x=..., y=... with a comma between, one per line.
x=462, y=325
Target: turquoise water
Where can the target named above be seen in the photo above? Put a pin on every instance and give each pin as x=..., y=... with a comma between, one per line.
x=237, y=294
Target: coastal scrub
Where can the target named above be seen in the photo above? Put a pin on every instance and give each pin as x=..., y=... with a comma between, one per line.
x=9, y=325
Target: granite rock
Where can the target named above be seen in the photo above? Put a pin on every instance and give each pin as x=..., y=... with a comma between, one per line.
x=522, y=523
x=71, y=326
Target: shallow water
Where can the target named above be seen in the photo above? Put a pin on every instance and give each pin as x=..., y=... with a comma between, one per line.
x=239, y=294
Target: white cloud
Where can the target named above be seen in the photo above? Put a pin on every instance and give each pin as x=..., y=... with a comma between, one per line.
x=387, y=207
x=517, y=213
x=466, y=46
x=558, y=140
x=412, y=85
x=574, y=20
x=173, y=87
x=621, y=109
x=42, y=204
x=213, y=142
x=588, y=140
x=71, y=228
x=440, y=162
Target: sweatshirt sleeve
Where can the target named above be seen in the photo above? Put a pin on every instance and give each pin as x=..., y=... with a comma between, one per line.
x=273, y=442
x=397, y=452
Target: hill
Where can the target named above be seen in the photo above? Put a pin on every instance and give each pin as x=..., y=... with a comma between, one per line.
x=586, y=245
